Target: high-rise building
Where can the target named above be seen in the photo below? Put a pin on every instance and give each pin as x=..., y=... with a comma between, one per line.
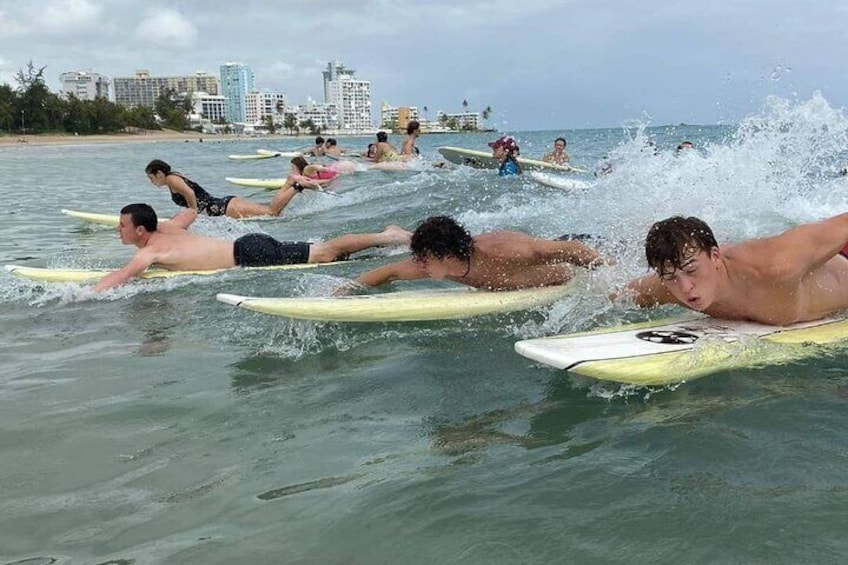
x=236, y=82
x=84, y=85
x=261, y=104
x=143, y=89
x=352, y=97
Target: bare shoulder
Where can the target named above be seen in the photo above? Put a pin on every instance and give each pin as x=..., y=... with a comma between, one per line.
x=760, y=257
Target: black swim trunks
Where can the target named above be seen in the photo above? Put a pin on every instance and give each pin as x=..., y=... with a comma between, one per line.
x=260, y=250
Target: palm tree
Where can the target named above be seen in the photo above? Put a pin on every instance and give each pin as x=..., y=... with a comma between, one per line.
x=465, y=106
x=486, y=113
x=425, y=113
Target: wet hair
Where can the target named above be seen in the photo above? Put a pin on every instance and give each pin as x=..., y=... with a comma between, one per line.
x=412, y=126
x=685, y=145
x=142, y=215
x=441, y=237
x=372, y=148
x=564, y=142
x=382, y=136
x=331, y=141
x=300, y=163
x=319, y=140
x=157, y=165
x=671, y=241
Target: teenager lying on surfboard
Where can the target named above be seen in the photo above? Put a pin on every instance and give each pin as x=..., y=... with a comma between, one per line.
x=796, y=276
x=170, y=246
x=501, y=260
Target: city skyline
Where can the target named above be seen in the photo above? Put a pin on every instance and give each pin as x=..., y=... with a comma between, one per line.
x=538, y=64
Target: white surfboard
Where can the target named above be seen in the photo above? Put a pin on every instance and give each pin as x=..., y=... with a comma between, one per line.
x=43, y=274
x=658, y=353
x=271, y=153
x=554, y=180
x=112, y=220
x=409, y=306
x=484, y=160
x=250, y=157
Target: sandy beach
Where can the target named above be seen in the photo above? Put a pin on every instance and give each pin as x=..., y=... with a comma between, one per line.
x=147, y=137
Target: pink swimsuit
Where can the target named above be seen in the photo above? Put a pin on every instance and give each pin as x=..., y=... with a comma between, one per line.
x=326, y=174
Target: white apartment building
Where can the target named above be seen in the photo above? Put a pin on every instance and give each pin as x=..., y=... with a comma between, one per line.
x=208, y=107
x=261, y=104
x=84, y=85
x=143, y=89
x=397, y=116
x=324, y=116
x=464, y=120
x=352, y=97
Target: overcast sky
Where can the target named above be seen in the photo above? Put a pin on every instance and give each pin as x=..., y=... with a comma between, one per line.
x=540, y=64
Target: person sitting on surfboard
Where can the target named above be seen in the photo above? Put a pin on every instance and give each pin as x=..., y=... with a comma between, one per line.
x=385, y=151
x=171, y=247
x=558, y=156
x=413, y=131
x=189, y=194
x=505, y=150
x=797, y=276
x=501, y=260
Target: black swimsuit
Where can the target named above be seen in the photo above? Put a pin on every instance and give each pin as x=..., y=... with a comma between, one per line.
x=206, y=203
x=261, y=250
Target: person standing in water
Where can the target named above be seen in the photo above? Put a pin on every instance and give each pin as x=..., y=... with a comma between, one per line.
x=413, y=131
x=505, y=150
x=558, y=156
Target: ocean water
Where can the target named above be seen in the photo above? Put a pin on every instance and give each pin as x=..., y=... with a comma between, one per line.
x=156, y=425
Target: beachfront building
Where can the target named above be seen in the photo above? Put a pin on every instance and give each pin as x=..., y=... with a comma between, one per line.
x=208, y=107
x=324, y=116
x=397, y=117
x=467, y=121
x=84, y=85
x=351, y=96
x=143, y=89
x=258, y=105
x=236, y=83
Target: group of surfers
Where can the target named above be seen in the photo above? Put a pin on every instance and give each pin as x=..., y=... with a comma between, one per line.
x=799, y=275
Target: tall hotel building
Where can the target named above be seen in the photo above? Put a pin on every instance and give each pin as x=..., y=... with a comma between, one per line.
x=236, y=82
x=84, y=85
x=143, y=89
x=352, y=97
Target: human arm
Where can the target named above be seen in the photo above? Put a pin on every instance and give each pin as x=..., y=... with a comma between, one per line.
x=179, y=222
x=142, y=260
x=647, y=292
x=407, y=270
x=569, y=250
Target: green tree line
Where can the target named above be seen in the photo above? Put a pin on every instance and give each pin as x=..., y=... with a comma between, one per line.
x=31, y=108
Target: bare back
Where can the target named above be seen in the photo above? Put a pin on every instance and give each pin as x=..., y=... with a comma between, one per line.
x=507, y=260
x=179, y=250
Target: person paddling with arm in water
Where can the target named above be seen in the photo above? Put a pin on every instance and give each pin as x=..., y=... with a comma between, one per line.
x=189, y=194
x=502, y=260
x=303, y=176
x=797, y=276
x=172, y=247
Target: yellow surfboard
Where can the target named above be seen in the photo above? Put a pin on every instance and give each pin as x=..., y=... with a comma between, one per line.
x=409, y=306
x=666, y=352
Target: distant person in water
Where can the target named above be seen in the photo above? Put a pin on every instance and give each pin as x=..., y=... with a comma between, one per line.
x=502, y=260
x=331, y=148
x=796, y=276
x=685, y=146
x=558, y=156
x=170, y=246
x=189, y=194
x=316, y=150
x=303, y=176
x=413, y=131
x=505, y=150
x=371, y=151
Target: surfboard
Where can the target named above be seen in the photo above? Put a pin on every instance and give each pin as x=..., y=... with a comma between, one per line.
x=272, y=153
x=558, y=181
x=88, y=275
x=267, y=184
x=484, y=160
x=408, y=306
x=251, y=157
x=112, y=220
x=674, y=351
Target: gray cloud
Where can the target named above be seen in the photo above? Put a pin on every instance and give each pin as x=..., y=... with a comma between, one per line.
x=539, y=64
